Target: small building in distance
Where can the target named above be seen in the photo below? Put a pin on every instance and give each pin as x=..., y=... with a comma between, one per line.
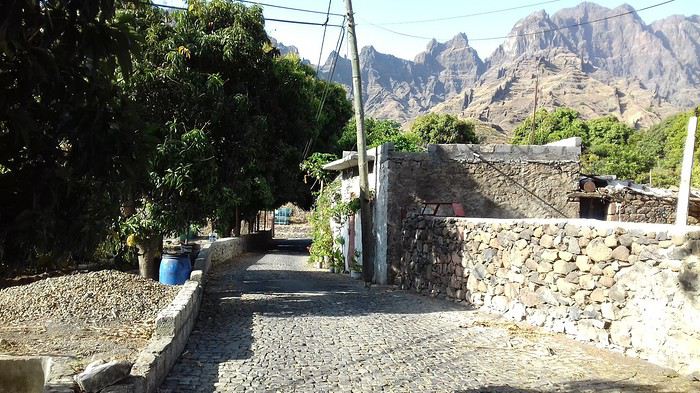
x=607, y=198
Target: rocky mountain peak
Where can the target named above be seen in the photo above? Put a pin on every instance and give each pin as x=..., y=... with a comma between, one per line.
x=587, y=57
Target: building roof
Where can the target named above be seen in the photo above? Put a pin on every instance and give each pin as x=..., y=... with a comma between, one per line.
x=348, y=161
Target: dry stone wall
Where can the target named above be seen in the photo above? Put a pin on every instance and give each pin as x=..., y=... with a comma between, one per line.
x=633, y=207
x=494, y=181
x=631, y=287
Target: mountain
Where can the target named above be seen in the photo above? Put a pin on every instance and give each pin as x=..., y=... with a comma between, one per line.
x=402, y=89
x=601, y=65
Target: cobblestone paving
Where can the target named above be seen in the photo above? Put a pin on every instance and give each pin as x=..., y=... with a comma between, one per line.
x=272, y=323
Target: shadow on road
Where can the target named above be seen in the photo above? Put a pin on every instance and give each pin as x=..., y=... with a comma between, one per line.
x=273, y=288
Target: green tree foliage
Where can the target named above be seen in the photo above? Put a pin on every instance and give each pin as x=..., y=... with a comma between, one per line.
x=213, y=69
x=64, y=151
x=205, y=118
x=378, y=132
x=443, y=128
x=613, y=148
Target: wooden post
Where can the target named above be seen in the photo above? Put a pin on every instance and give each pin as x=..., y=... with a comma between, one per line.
x=367, y=267
x=686, y=171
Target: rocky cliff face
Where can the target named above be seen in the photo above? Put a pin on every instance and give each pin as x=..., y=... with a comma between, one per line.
x=619, y=66
x=402, y=89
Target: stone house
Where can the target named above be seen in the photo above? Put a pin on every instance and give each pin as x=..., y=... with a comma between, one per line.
x=491, y=181
x=609, y=199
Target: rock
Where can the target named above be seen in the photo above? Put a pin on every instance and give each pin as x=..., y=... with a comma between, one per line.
x=587, y=281
x=580, y=297
x=544, y=267
x=621, y=253
x=610, y=241
x=538, y=232
x=598, y=251
x=583, y=242
x=609, y=271
x=98, y=377
x=547, y=296
x=105, y=295
x=566, y=288
x=546, y=241
x=606, y=282
x=499, y=303
x=596, y=269
x=620, y=333
x=608, y=311
x=561, y=267
x=566, y=256
x=517, y=312
x=573, y=246
x=573, y=276
x=598, y=295
x=617, y=294
x=583, y=263
x=549, y=255
x=529, y=298
x=516, y=277
x=625, y=240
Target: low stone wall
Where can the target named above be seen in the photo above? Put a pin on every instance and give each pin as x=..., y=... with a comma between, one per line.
x=630, y=287
x=175, y=322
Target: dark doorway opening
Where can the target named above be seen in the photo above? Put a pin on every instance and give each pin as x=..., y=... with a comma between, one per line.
x=596, y=208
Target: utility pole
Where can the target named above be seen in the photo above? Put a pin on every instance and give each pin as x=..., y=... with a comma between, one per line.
x=534, y=110
x=367, y=265
x=686, y=171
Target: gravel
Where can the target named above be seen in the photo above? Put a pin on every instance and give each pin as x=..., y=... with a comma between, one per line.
x=101, y=297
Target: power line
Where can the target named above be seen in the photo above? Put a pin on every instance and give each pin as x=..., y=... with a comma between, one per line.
x=323, y=39
x=467, y=15
x=575, y=24
x=329, y=79
x=534, y=32
x=298, y=22
x=289, y=8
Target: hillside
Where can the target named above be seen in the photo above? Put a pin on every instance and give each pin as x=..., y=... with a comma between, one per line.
x=621, y=66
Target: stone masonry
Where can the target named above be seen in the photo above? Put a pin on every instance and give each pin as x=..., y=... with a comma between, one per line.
x=630, y=287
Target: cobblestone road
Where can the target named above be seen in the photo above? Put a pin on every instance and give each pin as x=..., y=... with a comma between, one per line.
x=272, y=323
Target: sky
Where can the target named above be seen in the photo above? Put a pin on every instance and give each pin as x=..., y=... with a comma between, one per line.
x=374, y=19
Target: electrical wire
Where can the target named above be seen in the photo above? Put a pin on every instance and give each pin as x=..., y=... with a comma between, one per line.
x=329, y=79
x=323, y=39
x=467, y=15
x=299, y=22
x=290, y=8
x=530, y=33
x=588, y=22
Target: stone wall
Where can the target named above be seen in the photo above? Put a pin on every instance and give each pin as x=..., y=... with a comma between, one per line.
x=494, y=181
x=631, y=287
x=633, y=207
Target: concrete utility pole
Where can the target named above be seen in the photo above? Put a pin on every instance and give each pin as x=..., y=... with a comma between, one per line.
x=687, y=169
x=534, y=110
x=365, y=217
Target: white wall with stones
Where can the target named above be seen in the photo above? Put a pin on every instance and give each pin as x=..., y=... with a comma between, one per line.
x=626, y=286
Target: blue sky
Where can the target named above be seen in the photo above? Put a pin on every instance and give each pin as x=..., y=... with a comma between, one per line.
x=383, y=12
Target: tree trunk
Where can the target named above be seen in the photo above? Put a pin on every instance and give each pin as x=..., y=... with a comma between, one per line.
x=237, y=224
x=149, y=254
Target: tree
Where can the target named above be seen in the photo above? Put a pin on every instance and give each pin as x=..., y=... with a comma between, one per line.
x=443, y=128
x=65, y=150
x=213, y=72
x=611, y=147
x=553, y=126
x=378, y=132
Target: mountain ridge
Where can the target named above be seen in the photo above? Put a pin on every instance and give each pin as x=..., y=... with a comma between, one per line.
x=607, y=64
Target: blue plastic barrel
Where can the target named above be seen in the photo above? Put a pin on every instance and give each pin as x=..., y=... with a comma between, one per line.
x=174, y=269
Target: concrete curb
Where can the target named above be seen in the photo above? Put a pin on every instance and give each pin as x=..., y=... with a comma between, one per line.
x=175, y=322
